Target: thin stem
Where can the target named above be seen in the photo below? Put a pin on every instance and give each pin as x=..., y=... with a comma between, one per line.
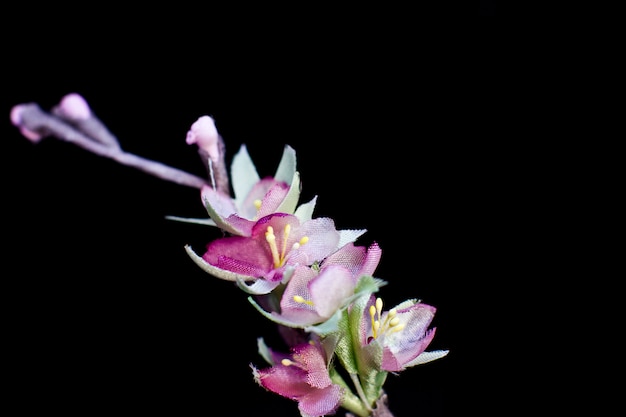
x=36, y=120
x=359, y=390
x=350, y=401
x=381, y=410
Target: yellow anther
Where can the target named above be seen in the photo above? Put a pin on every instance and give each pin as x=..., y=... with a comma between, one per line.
x=391, y=314
x=271, y=239
x=257, y=204
x=391, y=324
x=375, y=328
x=397, y=328
x=301, y=242
x=287, y=362
x=279, y=258
x=299, y=299
x=374, y=321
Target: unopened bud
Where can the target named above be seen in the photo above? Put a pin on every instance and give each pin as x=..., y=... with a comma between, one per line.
x=73, y=106
x=16, y=119
x=204, y=133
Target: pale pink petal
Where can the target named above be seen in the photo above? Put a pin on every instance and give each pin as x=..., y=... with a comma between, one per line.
x=358, y=259
x=312, y=357
x=321, y=402
x=330, y=289
x=405, y=345
x=221, y=203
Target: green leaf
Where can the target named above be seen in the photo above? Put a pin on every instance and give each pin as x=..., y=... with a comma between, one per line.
x=345, y=345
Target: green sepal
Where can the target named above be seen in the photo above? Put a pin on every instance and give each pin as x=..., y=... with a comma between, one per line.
x=345, y=345
x=264, y=351
x=349, y=345
x=372, y=384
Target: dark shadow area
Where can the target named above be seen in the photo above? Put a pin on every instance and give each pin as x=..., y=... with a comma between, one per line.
x=487, y=7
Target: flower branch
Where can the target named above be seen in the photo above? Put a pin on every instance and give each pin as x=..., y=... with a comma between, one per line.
x=299, y=271
x=72, y=121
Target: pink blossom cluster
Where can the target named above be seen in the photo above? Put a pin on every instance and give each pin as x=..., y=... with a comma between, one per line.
x=298, y=271
x=319, y=284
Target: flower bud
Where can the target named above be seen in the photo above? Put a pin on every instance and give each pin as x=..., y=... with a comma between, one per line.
x=16, y=119
x=204, y=133
x=73, y=106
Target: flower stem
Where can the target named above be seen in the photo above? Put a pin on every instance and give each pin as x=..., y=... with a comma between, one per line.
x=350, y=401
x=34, y=119
x=359, y=390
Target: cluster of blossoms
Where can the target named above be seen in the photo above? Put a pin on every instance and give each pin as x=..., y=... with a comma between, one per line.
x=307, y=276
x=297, y=270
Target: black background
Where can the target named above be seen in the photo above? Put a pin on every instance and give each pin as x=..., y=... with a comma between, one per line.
x=487, y=7
x=108, y=313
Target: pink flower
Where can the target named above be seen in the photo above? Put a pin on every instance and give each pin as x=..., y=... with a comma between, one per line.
x=254, y=197
x=238, y=217
x=277, y=244
x=303, y=377
x=314, y=295
x=397, y=339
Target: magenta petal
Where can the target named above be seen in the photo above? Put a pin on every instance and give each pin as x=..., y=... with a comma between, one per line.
x=288, y=381
x=239, y=254
x=270, y=192
x=389, y=362
x=273, y=198
x=315, y=363
x=321, y=402
x=240, y=226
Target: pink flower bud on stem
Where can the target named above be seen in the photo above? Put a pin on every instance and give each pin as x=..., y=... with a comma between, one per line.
x=35, y=124
x=17, y=120
x=74, y=109
x=211, y=149
x=204, y=134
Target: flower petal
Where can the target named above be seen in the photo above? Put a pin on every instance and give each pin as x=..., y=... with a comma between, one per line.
x=321, y=402
x=219, y=273
x=358, y=259
x=331, y=289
